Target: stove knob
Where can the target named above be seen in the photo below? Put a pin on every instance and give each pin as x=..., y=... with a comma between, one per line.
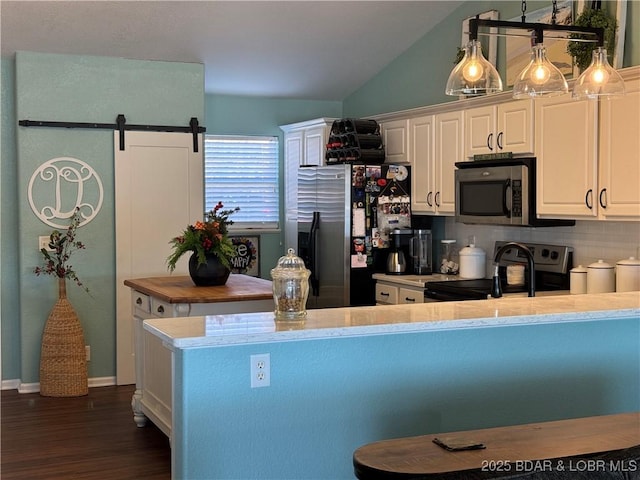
x=554, y=255
x=545, y=252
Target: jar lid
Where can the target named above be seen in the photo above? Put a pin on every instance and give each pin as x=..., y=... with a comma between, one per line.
x=447, y=241
x=473, y=251
x=600, y=264
x=579, y=269
x=631, y=261
x=290, y=261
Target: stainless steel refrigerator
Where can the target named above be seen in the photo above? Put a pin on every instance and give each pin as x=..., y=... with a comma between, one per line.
x=344, y=216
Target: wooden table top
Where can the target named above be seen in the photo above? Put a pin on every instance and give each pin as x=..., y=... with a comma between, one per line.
x=181, y=289
x=403, y=457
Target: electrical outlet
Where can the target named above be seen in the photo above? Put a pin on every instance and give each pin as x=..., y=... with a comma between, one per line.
x=43, y=242
x=260, y=370
x=87, y=350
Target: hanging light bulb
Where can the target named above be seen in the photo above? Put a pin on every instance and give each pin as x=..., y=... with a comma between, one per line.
x=600, y=79
x=540, y=77
x=474, y=75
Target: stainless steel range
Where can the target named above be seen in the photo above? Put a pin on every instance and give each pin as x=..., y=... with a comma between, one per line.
x=552, y=266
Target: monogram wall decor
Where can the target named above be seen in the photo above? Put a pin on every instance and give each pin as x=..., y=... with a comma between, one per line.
x=60, y=185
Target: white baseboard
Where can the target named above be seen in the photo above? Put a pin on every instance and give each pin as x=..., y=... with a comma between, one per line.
x=16, y=384
x=10, y=384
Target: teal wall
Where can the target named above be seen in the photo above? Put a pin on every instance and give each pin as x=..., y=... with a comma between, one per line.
x=328, y=397
x=74, y=89
x=233, y=115
x=418, y=76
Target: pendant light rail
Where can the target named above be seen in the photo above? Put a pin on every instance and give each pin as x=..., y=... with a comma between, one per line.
x=538, y=28
x=194, y=128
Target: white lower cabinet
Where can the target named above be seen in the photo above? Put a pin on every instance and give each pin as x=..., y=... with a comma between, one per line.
x=393, y=294
x=153, y=359
x=410, y=295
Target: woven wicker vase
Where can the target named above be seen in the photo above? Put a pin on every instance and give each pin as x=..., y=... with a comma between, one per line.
x=63, y=361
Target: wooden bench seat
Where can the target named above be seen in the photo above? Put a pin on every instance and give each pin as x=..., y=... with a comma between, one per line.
x=611, y=442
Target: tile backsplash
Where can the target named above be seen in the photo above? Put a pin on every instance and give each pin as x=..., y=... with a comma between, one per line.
x=590, y=240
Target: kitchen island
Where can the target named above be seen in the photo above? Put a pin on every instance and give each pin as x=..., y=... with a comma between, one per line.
x=351, y=376
x=177, y=296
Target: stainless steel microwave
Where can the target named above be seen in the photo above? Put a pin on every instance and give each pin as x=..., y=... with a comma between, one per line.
x=499, y=192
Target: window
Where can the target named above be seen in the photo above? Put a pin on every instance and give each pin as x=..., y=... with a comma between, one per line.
x=242, y=171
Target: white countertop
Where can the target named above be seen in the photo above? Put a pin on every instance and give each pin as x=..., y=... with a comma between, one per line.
x=238, y=329
x=414, y=280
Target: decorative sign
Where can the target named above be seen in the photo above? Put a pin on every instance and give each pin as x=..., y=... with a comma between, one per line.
x=247, y=259
x=60, y=185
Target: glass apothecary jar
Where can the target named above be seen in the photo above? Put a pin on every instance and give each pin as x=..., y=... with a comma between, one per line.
x=449, y=257
x=290, y=287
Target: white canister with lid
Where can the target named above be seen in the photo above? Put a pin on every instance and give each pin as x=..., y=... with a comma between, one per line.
x=472, y=261
x=628, y=275
x=578, y=280
x=601, y=277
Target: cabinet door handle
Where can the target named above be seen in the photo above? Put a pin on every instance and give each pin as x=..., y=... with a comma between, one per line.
x=437, y=199
x=490, y=142
x=603, y=192
x=384, y=294
x=429, y=195
x=407, y=299
x=499, y=140
x=160, y=309
x=588, y=197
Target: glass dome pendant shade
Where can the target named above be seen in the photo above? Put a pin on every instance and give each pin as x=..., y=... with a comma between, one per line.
x=474, y=75
x=600, y=79
x=540, y=77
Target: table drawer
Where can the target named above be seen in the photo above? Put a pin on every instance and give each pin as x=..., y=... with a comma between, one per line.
x=140, y=301
x=386, y=293
x=409, y=296
x=161, y=309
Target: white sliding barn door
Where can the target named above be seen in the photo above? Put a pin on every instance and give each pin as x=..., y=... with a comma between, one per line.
x=158, y=192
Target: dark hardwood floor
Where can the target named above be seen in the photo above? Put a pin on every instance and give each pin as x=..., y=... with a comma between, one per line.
x=90, y=437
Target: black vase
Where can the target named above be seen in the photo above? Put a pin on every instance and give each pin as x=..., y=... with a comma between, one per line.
x=208, y=274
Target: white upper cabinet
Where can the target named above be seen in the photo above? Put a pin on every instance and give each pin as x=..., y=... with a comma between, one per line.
x=315, y=145
x=435, y=145
x=566, y=151
x=507, y=127
x=588, y=165
x=422, y=133
x=619, y=160
x=395, y=139
x=449, y=129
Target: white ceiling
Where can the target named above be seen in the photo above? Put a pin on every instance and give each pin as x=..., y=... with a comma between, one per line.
x=320, y=50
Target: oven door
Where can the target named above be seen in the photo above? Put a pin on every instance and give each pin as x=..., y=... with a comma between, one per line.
x=493, y=195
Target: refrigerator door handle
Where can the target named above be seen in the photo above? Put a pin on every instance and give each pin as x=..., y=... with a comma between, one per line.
x=314, y=281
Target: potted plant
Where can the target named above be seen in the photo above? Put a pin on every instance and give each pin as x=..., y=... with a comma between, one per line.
x=63, y=364
x=583, y=51
x=211, y=247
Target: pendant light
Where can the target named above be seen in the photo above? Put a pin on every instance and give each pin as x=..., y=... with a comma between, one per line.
x=540, y=77
x=599, y=79
x=474, y=75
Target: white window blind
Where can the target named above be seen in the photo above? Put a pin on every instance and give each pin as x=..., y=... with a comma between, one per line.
x=242, y=171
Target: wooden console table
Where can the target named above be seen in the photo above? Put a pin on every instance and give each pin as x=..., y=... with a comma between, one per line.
x=177, y=296
x=520, y=449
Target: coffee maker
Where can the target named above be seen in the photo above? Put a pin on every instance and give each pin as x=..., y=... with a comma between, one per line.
x=421, y=252
x=399, y=260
